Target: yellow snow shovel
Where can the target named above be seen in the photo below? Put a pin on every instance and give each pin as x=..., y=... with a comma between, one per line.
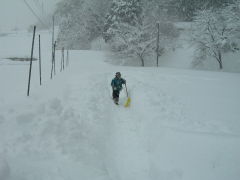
x=127, y=103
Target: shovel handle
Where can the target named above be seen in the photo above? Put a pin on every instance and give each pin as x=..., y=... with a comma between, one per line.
x=126, y=89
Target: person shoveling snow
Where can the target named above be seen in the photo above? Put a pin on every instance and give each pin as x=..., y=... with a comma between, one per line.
x=116, y=84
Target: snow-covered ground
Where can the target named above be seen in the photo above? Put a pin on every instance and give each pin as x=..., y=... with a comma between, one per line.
x=181, y=124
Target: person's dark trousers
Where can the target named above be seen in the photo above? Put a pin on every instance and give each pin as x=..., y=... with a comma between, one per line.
x=115, y=95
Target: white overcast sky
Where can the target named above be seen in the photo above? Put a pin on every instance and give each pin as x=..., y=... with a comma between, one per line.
x=15, y=13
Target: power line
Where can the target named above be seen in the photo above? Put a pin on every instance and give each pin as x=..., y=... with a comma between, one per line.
x=37, y=2
x=30, y=8
x=40, y=5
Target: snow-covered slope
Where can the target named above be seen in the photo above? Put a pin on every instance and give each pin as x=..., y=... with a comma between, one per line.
x=182, y=124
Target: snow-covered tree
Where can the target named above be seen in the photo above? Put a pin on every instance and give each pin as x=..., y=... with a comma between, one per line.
x=71, y=26
x=131, y=30
x=95, y=12
x=81, y=21
x=126, y=31
x=122, y=11
x=216, y=31
x=168, y=36
x=186, y=9
x=133, y=41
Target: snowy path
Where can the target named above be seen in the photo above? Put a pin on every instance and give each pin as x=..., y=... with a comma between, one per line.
x=156, y=138
x=182, y=124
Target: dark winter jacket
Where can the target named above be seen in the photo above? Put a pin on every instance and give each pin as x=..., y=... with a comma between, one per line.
x=117, y=83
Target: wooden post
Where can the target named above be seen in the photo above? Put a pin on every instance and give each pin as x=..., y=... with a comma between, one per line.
x=30, y=68
x=53, y=61
x=157, y=50
x=53, y=34
x=63, y=57
x=52, y=48
x=54, y=55
x=40, y=64
x=62, y=61
x=52, y=67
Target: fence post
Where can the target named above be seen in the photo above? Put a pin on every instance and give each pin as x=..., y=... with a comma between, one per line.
x=157, y=50
x=63, y=55
x=54, y=55
x=40, y=63
x=52, y=48
x=30, y=68
x=52, y=64
x=53, y=61
x=52, y=34
x=61, y=61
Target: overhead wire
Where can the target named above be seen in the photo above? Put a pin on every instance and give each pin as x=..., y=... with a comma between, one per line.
x=35, y=14
x=40, y=5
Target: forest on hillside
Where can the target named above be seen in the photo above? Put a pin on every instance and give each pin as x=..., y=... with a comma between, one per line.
x=139, y=28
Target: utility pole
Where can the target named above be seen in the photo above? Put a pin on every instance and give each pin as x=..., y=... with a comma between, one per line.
x=30, y=8
x=40, y=64
x=157, y=49
x=54, y=56
x=52, y=48
x=62, y=60
x=53, y=32
x=30, y=68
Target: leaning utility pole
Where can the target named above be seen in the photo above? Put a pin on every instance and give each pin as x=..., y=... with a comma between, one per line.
x=30, y=68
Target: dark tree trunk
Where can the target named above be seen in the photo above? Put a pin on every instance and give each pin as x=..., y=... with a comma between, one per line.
x=220, y=60
x=142, y=61
x=67, y=63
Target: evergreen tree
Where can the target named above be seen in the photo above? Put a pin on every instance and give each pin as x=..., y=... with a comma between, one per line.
x=81, y=21
x=187, y=9
x=71, y=26
x=122, y=11
x=95, y=13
